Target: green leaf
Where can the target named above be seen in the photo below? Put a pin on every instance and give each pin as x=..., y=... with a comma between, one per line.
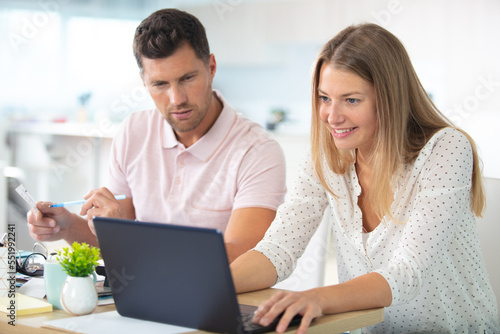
x=80, y=260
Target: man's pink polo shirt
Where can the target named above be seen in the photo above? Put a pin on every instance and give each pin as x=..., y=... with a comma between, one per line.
x=236, y=164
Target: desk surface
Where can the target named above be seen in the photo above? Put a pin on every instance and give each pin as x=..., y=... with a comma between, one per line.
x=336, y=323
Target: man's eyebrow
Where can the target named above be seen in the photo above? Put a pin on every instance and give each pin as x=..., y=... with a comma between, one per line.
x=189, y=73
x=157, y=81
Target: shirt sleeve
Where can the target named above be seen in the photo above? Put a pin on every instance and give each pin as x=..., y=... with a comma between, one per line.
x=261, y=177
x=295, y=223
x=441, y=203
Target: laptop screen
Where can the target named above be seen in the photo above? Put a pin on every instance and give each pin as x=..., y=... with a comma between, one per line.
x=166, y=273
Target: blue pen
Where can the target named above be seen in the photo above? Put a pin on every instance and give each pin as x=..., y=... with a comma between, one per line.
x=58, y=205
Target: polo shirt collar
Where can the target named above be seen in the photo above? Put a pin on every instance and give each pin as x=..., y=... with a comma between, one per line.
x=206, y=146
x=169, y=138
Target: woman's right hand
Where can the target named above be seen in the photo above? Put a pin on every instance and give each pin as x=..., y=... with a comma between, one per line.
x=49, y=224
x=290, y=303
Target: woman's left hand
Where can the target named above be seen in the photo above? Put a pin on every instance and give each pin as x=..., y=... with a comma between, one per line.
x=305, y=303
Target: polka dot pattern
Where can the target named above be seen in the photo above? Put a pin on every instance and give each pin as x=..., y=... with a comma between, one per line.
x=430, y=256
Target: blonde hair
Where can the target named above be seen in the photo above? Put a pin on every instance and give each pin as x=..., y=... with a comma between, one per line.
x=406, y=116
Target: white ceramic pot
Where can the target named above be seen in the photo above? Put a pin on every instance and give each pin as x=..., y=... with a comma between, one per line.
x=79, y=295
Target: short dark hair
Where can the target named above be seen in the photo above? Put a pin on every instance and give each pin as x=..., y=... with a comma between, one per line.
x=162, y=33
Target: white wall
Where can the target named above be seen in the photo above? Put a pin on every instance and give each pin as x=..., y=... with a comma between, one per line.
x=450, y=42
x=489, y=230
x=265, y=51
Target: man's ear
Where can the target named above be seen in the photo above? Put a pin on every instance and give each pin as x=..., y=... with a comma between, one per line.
x=212, y=65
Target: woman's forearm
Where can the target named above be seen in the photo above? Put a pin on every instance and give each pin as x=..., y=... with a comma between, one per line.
x=361, y=293
x=253, y=271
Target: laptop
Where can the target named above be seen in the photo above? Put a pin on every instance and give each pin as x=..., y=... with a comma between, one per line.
x=173, y=274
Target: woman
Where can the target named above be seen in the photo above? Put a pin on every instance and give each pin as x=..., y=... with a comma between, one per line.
x=404, y=187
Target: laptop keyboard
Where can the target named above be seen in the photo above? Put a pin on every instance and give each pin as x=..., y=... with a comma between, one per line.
x=250, y=326
x=248, y=323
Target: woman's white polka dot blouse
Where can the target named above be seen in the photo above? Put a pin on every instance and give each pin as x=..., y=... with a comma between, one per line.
x=431, y=257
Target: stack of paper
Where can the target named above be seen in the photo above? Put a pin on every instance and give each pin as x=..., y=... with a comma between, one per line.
x=24, y=305
x=112, y=322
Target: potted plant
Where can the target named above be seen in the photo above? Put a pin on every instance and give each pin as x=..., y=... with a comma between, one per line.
x=78, y=294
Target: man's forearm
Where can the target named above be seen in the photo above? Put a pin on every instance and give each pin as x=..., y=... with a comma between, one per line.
x=80, y=232
x=253, y=271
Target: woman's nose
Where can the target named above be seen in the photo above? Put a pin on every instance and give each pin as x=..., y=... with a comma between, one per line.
x=334, y=114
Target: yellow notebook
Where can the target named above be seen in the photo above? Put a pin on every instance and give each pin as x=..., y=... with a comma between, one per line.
x=25, y=305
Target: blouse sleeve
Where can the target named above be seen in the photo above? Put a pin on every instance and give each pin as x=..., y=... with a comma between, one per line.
x=441, y=209
x=296, y=221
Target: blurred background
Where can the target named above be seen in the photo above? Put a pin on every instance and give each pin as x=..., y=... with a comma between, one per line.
x=68, y=76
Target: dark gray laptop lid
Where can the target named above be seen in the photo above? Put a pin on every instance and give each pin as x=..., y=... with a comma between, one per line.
x=166, y=273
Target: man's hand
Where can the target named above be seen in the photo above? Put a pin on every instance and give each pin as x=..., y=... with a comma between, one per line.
x=49, y=224
x=101, y=202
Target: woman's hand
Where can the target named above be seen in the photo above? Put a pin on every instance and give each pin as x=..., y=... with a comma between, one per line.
x=306, y=303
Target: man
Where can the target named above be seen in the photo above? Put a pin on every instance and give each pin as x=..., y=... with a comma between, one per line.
x=191, y=161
